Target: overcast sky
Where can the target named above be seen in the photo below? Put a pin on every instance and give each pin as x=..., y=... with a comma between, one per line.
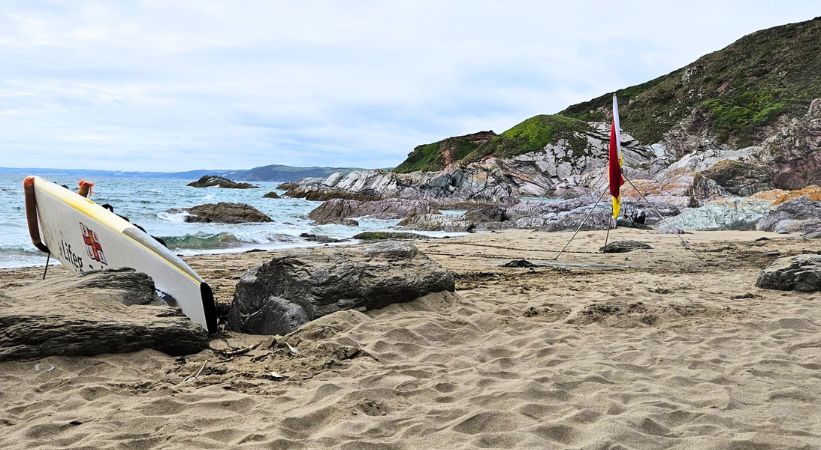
x=164, y=85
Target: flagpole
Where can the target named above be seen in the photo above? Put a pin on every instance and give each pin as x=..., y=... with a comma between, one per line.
x=607, y=236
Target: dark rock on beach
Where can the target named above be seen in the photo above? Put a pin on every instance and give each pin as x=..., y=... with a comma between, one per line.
x=334, y=210
x=485, y=214
x=322, y=239
x=301, y=285
x=387, y=235
x=271, y=194
x=519, y=263
x=436, y=222
x=100, y=312
x=222, y=182
x=792, y=273
x=225, y=213
x=624, y=246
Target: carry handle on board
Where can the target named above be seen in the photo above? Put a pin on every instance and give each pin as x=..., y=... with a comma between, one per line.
x=31, y=214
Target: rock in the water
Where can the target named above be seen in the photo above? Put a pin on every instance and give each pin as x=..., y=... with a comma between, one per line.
x=337, y=209
x=100, y=312
x=223, y=212
x=799, y=215
x=624, y=246
x=387, y=235
x=222, y=182
x=271, y=194
x=792, y=273
x=304, y=284
x=322, y=239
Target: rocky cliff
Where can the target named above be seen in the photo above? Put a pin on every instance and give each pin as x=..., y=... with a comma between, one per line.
x=736, y=122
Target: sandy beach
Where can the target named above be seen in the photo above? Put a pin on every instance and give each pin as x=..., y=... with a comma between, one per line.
x=647, y=349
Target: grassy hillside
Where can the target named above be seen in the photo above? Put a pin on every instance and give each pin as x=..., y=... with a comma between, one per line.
x=738, y=91
x=531, y=135
x=735, y=95
x=435, y=156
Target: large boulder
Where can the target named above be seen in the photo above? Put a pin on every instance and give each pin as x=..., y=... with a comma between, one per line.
x=223, y=212
x=792, y=273
x=732, y=213
x=221, y=182
x=740, y=177
x=99, y=312
x=799, y=215
x=333, y=211
x=303, y=284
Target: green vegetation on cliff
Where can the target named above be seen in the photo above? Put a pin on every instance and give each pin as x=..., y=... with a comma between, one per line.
x=435, y=156
x=428, y=157
x=735, y=94
x=531, y=135
x=534, y=134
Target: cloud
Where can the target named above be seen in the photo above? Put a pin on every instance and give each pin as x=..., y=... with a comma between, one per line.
x=157, y=85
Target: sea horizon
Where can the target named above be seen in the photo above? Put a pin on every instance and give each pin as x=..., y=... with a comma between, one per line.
x=146, y=201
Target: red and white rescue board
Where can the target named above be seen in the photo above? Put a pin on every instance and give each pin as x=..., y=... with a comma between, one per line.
x=85, y=236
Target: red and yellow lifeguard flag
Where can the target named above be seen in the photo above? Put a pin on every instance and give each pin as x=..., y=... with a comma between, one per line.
x=614, y=168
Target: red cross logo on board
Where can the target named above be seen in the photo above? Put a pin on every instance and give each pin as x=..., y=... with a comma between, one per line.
x=93, y=247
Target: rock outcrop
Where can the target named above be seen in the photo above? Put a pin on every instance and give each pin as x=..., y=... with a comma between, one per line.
x=223, y=212
x=100, y=312
x=733, y=213
x=740, y=177
x=320, y=238
x=334, y=211
x=792, y=273
x=221, y=182
x=799, y=215
x=388, y=235
x=301, y=285
x=793, y=155
x=271, y=194
x=561, y=166
x=437, y=222
x=485, y=214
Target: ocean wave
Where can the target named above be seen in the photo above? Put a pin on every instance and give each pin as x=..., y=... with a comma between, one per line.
x=215, y=241
x=173, y=217
x=202, y=241
x=20, y=249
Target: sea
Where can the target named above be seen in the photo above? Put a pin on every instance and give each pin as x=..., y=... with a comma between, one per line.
x=150, y=203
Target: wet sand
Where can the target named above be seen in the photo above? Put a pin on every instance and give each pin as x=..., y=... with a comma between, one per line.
x=647, y=349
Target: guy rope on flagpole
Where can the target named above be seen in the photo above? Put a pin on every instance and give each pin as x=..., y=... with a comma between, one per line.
x=683, y=242
x=580, y=225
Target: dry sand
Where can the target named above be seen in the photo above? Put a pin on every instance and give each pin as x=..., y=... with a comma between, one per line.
x=649, y=349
